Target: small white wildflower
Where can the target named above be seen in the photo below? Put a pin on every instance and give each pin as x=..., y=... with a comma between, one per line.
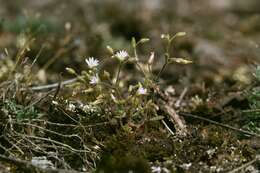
x=141, y=91
x=94, y=79
x=71, y=107
x=156, y=169
x=121, y=55
x=92, y=62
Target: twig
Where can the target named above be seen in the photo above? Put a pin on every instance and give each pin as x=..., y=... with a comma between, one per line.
x=56, y=142
x=6, y=150
x=257, y=158
x=41, y=98
x=178, y=102
x=51, y=86
x=67, y=125
x=14, y=145
x=80, y=124
x=251, y=110
x=47, y=130
x=167, y=127
x=164, y=101
x=220, y=124
x=180, y=123
x=29, y=166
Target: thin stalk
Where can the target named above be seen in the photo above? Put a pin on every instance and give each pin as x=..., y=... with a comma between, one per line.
x=166, y=59
x=160, y=72
x=118, y=73
x=137, y=63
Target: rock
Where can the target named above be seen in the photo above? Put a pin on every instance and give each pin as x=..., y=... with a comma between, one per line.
x=208, y=53
x=245, y=6
x=220, y=4
x=236, y=5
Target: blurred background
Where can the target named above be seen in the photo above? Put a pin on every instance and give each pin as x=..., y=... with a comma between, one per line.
x=222, y=36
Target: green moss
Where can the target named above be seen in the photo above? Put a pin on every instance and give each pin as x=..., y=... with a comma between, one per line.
x=122, y=164
x=157, y=147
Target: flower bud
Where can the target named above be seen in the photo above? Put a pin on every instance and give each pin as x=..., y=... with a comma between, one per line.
x=180, y=60
x=165, y=36
x=110, y=50
x=70, y=70
x=180, y=34
x=144, y=40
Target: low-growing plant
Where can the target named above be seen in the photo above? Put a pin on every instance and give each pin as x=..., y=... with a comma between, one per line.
x=135, y=103
x=20, y=112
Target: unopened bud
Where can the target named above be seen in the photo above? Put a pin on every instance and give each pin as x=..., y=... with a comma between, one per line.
x=180, y=60
x=180, y=34
x=144, y=40
x=106, y=75
x=70, y=70
x=110, y=50
x=165, y=36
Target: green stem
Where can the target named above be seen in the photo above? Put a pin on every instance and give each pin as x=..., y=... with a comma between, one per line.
x=118, y=73
x=137, y=63
x=160, y=72
x=166, y=59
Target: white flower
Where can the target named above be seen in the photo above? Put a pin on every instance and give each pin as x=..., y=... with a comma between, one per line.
x=92, y=62
x=71, y=107
x=156, y=169
x=121, y=55
x=94, y=79
x=141, y=91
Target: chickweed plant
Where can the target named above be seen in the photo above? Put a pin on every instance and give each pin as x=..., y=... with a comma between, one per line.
x=135, y=104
